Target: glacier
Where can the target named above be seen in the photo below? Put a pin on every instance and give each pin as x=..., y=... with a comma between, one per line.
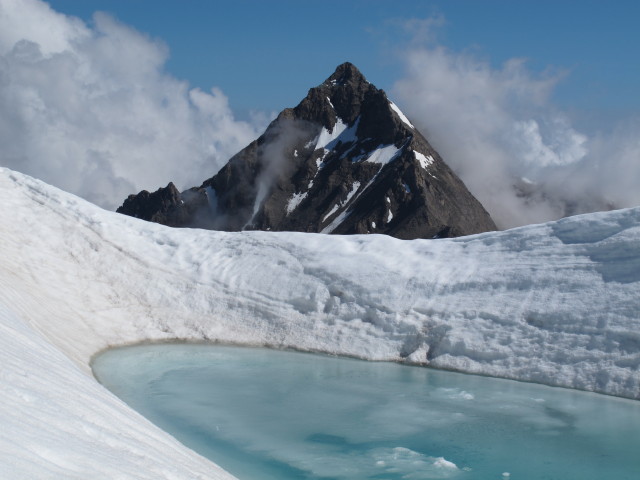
x=555, y=303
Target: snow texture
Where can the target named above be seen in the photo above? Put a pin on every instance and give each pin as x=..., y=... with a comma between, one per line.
x=555, y=303
x=341, y=132
x=383, y=154
x=425, y=161
x=295, y=200
x=327, y=140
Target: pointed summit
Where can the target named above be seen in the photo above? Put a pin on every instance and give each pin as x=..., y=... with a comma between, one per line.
x=344, y=160
x=341, y=95
x=347, y=73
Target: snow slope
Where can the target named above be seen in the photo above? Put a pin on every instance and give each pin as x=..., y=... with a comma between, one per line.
x=555, y=303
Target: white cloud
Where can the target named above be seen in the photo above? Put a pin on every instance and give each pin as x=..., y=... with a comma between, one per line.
x=91, y=110
x=498, y=129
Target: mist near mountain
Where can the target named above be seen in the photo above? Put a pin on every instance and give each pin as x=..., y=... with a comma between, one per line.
x=501, y=133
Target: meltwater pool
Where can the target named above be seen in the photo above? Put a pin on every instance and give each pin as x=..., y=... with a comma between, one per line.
x=269, y=414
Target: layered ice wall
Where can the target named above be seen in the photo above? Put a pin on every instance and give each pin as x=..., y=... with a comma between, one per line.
x=555, y=303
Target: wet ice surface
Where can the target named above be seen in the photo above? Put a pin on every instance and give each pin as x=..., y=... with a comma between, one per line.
x=265, y=414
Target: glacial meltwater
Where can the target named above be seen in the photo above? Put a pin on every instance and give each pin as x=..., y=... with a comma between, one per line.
x=266, y=414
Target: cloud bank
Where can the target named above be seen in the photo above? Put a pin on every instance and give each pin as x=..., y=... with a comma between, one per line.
x=498, y=129
x=89, y=108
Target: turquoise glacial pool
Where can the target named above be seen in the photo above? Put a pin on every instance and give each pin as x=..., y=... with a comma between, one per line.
x=267, y=414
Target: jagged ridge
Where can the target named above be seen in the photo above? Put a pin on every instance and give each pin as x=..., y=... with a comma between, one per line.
x=345, y=160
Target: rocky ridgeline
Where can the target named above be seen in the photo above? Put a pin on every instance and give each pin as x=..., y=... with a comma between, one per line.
x=344, y=161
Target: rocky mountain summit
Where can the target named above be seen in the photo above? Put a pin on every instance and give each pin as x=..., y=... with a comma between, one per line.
x=346, y=160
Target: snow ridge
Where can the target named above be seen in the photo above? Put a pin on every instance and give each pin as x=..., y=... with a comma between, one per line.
x=555, y=303
x=402, y=116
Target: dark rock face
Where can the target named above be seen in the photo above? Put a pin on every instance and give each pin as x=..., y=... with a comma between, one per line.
x=166, y=206
x=344, y=161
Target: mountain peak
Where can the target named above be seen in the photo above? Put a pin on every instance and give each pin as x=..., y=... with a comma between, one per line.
x=339, y=96
x=345, y=160
x=346, y=73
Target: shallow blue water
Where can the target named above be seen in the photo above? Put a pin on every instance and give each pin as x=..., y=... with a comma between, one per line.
x=265, y=414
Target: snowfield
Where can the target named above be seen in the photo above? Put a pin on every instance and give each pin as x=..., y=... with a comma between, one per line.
x=556, y=303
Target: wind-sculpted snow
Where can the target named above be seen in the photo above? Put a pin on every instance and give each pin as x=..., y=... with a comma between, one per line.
x=58, y=423
x=555, y=303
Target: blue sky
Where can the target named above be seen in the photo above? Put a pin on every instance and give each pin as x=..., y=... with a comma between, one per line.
x=265, y=55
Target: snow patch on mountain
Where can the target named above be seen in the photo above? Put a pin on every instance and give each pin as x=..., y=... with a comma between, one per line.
x=340, y=132
x=326, y=137
x=334, y=224
x=329, y=100
x=425, y=160
x=383, y=154
x=402, y=116
x=295, y=200
x=333, y=210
